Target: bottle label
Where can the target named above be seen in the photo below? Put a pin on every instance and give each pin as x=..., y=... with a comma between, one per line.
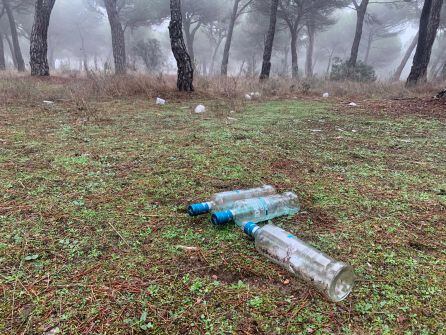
x=263, y=207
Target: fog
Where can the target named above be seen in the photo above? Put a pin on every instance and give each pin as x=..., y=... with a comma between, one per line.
x=79, y=37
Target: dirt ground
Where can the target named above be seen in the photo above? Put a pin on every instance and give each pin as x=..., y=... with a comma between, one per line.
x=93, y=223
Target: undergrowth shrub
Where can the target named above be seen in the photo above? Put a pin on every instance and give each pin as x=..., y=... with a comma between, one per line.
x=361, y=72
x=100, y=86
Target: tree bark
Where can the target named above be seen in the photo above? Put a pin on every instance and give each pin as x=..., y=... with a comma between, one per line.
x=400, y=68
x=310, y=48
x=15, y=37
x=117, y=33
x=294, y=56
x=360, y=15
x=429, y=22
x=2, y=54
x=266, y=66
x=39, y=38
x=184, y=62
x=225, y=61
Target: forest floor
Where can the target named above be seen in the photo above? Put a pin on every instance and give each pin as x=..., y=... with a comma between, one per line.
x=93, y=223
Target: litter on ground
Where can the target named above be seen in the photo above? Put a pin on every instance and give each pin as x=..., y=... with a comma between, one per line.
x=200, y=109
x=160, y=101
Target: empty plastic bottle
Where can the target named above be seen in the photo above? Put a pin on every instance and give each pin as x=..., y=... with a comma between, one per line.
x=334, y=279
x=224, y=200
x=258, y=209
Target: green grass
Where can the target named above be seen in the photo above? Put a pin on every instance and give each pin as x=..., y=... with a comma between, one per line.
x=92, y=214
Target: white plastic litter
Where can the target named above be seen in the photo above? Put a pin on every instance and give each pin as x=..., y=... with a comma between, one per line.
x=53, y=331
x=48, y=102
x=160, y=101
x=326, y=95
x=248, y=97
x=352, y=104
x=200, y=109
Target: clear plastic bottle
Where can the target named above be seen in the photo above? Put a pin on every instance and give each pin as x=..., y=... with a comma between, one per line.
x=258, y=209
x=224, y=200
x=334, y=279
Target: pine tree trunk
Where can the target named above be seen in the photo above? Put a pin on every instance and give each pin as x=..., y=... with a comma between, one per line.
x=39, y=38
x=15, y=37
x=429, y=22
x=368, y=49
x=2, y=54
x=189, y=34
x=294, y=57
x=360, y=16
x=330, y=60
x=184, y=63
x=11, y=50
x=286, y=51
x=440, y=68
x=435, y=65
x=225, y=61
x=310, y=48
x=266, y=66
x=51, y=60
x=214, y=56
x=117, y=33
x=400, y=68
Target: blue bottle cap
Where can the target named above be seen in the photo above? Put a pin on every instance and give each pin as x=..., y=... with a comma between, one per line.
x=221, y=218
x=198, y=209
x=250, y=228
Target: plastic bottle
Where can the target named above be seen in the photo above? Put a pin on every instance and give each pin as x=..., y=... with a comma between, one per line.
x=334, y=279
x=258, y=209
x=224, y=200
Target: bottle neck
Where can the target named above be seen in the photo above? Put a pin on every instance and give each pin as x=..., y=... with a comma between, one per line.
x=251, y=229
